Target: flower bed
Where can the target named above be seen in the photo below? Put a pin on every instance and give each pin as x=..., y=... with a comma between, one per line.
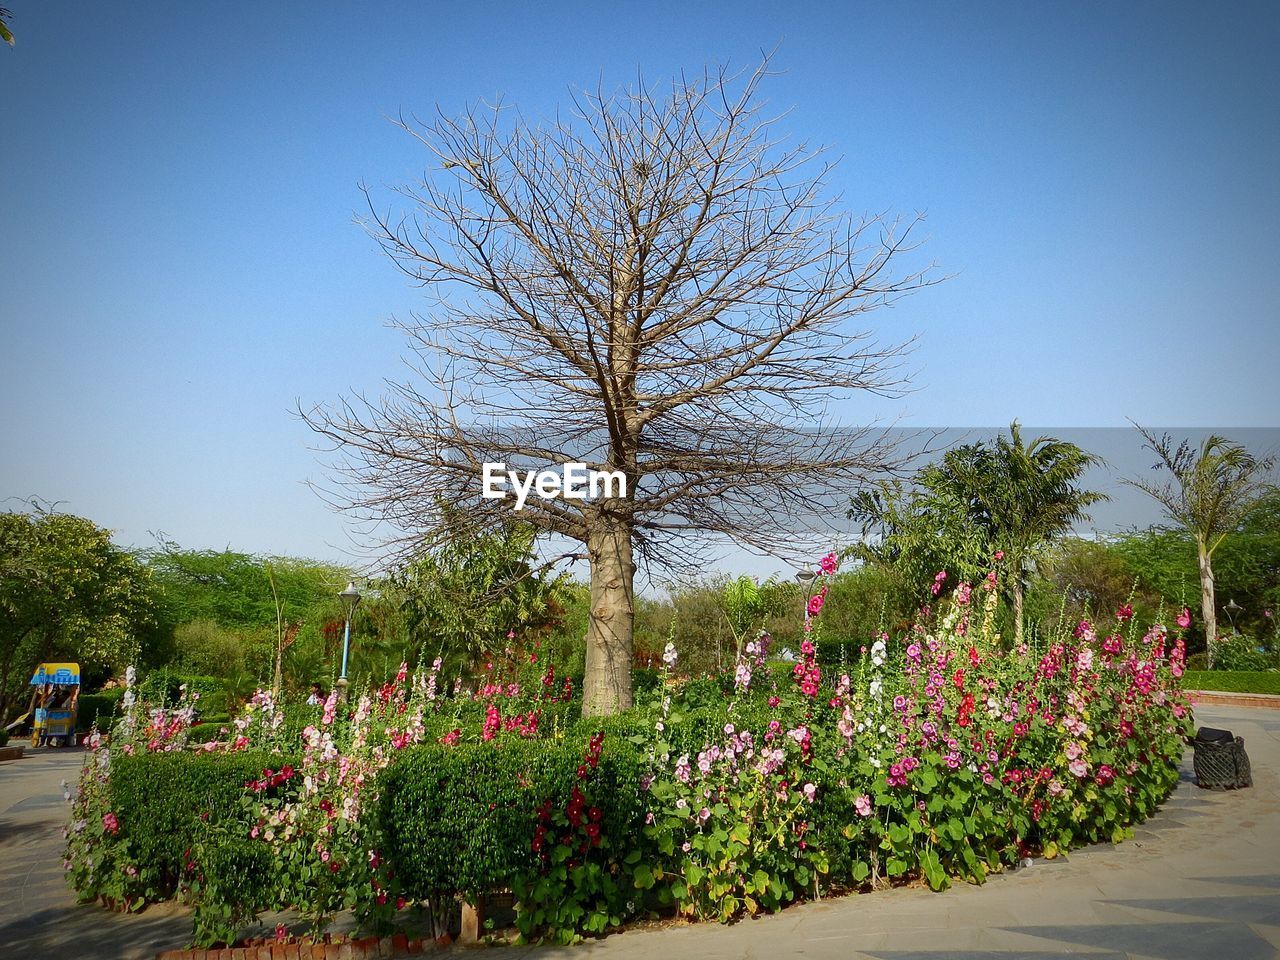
x=936, y=755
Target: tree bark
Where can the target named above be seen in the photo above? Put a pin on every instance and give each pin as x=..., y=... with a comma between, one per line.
x=1208, y=607
x=1018, y=596
x=607, y=681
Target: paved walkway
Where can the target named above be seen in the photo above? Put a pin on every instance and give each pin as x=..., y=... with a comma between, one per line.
x=1199, y=880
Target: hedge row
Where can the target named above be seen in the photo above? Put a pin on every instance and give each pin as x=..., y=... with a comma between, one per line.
x=1232, y=681
x=100, y=708
x=168, y=801
x=463, y=819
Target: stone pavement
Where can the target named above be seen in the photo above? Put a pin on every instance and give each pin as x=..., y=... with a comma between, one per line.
x=1201, y=879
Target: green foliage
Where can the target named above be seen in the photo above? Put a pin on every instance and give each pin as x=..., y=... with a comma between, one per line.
x=1009, y=496
x=462, y=600
x=66, y=593
x=474, y=819
x=1232, y=682
x=98, y=708
x=747, y=605
x=1238, y=653
x=164, y=687
x=165, y=801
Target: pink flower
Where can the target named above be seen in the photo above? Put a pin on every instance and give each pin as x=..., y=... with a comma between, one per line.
x=110, y=823
x=862, y=805
x=1184, y=618
x=1078, y=768
x=816, y=601
x=828, y=564
x=999, y=555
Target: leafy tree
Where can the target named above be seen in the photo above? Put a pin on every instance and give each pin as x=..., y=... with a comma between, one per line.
x=1210, y=492
x=747, y=604
x=1009, y=496
x=471, y=597
x=66, y=591
x=254, y=601
x=5, y=33
x=658, y=288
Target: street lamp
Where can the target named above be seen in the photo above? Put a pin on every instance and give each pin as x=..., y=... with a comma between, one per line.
x=350, y=598
x=1231, y=609
x=807, y=579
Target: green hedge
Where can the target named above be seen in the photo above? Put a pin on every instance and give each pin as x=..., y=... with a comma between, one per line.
x=165, y=685
x=167, y=801
x=1232, y=681
x=463, y=819
x=100, y=707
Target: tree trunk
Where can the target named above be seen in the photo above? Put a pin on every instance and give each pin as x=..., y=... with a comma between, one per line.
x=1207, y=603
x=1018, y=594
x=606, y=687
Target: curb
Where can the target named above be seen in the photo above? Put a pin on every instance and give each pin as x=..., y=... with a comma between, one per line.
x=366, y=948
x=1225, y=699
x=11, y=753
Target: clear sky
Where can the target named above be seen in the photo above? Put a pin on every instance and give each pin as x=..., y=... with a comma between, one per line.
x=180, y=265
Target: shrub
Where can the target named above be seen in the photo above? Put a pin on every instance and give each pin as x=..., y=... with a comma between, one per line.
x=1228, y=681
x=165, y=686
x=1236, y=652
x=165, y=801
x=97, y=708
x=551, y=820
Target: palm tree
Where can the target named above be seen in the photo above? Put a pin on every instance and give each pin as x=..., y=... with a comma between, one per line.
x=1026, y=494
x=5, y=33
x=1210, y=492
x=1011, y=496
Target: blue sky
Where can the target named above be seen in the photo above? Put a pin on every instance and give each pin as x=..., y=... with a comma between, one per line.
x=180, y=263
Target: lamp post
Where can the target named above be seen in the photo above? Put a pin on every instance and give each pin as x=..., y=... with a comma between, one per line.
x=807, y=579
x=350, y=598
x=1231, y=609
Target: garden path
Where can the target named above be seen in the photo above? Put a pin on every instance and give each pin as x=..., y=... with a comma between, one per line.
x=1200, y=879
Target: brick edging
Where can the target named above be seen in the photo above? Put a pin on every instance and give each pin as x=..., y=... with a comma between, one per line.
x=365, y=948
x=1225, y=698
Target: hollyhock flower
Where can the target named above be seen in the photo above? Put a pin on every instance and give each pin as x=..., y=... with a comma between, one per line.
x=669, y=655
x=1184, y=618
x=809, y=791
x=862, y=805
x=110, y=823
x=1078, y=768
x=816, y=602
x=1125, y=613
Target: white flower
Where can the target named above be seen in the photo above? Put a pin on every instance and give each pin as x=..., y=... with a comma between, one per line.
x=876, y=688
x=669, y=655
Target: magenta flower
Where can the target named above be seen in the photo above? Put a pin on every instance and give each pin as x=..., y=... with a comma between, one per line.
x=1184, y=618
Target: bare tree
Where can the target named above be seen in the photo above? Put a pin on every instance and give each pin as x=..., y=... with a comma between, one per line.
x=659, y=286
x=1210, y=491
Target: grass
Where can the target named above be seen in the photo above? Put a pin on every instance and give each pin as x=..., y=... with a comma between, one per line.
x=1232, y=681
